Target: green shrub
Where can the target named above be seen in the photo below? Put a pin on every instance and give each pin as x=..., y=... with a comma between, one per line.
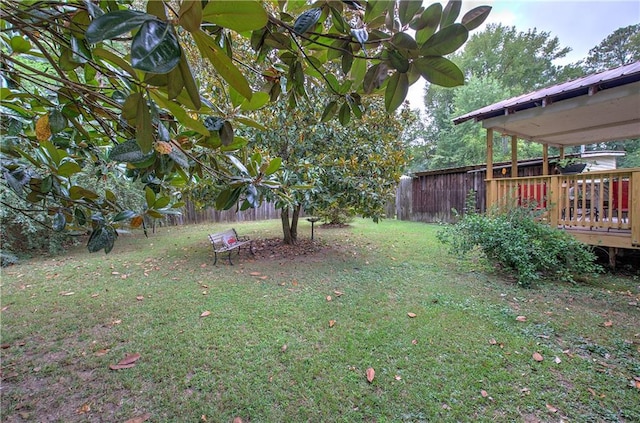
x=519, y=242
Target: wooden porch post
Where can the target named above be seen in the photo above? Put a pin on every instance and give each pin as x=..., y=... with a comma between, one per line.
x=489, y=176
x=545, y=159
x=514, y=156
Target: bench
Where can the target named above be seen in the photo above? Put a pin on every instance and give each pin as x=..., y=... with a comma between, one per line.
x=229, y=241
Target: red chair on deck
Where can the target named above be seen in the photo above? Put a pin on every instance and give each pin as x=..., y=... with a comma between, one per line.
x=530, y=194
x=621, y=198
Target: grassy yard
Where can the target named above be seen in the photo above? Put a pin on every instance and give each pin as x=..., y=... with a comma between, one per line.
x=289, y=338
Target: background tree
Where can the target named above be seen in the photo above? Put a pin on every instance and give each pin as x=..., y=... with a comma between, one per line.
x=118, y=86
x=619, y=48
x=498, y=63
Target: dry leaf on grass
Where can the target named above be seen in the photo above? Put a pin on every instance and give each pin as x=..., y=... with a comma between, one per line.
x=608, y=323
x=332, y=323
x=205, y=313
x=237, y=420
x=329, y=298
x=126, y=363
x=84, y=409
x=521, y=318
x=140, y=419
x=140, y=297
x=255, y=273
x=284, y=348
x=484, y=393
x=537, y=356
x=412, y=315
x=100, y=353
x=552, y=408
x=338, y=293
x=66, y=294
x=370, y=374
x=492, y=341
x=414, y=342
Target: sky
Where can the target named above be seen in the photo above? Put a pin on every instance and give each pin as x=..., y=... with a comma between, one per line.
x=580, y=25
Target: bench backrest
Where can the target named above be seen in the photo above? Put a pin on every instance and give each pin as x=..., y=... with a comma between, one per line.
x=226, y=238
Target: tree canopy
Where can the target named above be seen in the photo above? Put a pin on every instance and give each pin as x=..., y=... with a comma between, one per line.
x=91, y=87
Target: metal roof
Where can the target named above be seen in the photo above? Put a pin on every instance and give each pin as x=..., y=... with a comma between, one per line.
x=598, y=107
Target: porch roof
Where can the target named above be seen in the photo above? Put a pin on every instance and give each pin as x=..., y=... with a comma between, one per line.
x=600, y=107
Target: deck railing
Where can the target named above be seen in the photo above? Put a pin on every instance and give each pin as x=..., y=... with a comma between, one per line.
x=604, y=201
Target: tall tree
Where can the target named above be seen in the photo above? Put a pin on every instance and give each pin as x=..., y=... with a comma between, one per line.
x=499, y=63
x=619, y=48
x=119, y=87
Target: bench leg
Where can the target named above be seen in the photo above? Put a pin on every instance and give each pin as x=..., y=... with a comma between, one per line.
x=230, y=258
x=215, y=255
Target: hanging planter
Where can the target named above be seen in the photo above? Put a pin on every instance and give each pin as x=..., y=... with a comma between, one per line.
x=570, y=166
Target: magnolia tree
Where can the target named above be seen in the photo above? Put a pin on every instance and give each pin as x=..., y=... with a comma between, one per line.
x=95, y=87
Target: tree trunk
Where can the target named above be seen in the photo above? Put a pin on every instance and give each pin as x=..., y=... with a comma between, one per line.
x=286, y=228
x=290, y=229
x=294, y=223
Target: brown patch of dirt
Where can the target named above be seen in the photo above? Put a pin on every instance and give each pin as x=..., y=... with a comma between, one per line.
x=275, y=249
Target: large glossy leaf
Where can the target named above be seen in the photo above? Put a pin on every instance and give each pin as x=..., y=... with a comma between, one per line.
x=189, y=82
x=329, y=111
x=155, y=48
x=407, y=10
x=222, y=63
x=238, y=16
x=190, y=15
x=144, y=128
x=115, y=60
x=69, y=168
x=59, y=222
x=439, y=71
x=374, y=78
x=450, y=13
x=307, y=20
x=396, y=91
x=114, y=24
x=258, y=100
x=128, y=152
x=445, y=41
x=273, y=167
x=475, y=17
x=103, y=237
x=179, y=113
x=344, y=115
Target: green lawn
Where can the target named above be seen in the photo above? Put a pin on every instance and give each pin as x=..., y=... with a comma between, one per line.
x=267, y=352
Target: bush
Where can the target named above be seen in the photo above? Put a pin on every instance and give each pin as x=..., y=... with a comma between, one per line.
x=520, y=243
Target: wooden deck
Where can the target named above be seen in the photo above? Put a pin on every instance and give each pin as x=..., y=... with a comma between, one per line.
x=598, y=208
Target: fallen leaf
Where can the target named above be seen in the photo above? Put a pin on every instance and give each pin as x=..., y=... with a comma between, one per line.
x=329, y=298
x=237, y=420
x=484, y=393
x=140, y=419
x=294, y=283
x=66, y=294
x=552, y=408
x=412, y=315
x=255, y=273
x=130, y=358
x=521, y=318
x=557, y=360
x=414, y=342
x=608, y=323
x=370, y=374
x=5, y=346
x=338, y=293
x=94, y=295
x=492, y=341
x=140, y=297
x=204, y=292
x=100, y=353
x=284, y=348
x=84, y=409
x=537, y=356
x=263, y=277
x=205, y=313
x=398, y=377
x=121, y=366
x=332, y=323
x=116, y=322
x=203, y=418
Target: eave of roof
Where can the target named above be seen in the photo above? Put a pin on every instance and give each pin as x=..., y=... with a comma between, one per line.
x=587, y=85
